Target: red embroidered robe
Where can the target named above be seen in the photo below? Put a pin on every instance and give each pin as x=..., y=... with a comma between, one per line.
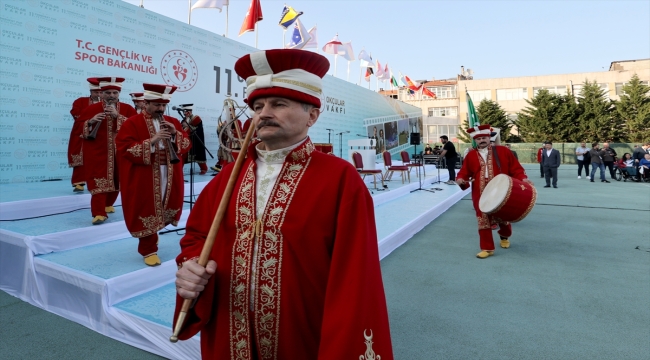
x=146, y=208
x=474, y=167
x=75, y=152
x=99, y=154
x=310, y=266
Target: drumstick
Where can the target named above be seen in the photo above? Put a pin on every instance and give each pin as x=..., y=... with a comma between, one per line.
x=216, y=222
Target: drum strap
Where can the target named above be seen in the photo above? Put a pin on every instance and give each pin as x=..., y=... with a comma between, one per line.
x=496, y=158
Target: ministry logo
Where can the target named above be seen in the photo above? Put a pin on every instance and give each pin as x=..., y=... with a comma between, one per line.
x=179, y=69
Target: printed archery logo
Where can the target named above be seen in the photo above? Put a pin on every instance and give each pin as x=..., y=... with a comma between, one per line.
x=178, y=68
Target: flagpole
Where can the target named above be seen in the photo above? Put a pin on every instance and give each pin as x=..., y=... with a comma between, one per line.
x=284, y=37
x=256, y=35
x=227, y=7
x=189, y=14
x=348, y=71
x=336, y=56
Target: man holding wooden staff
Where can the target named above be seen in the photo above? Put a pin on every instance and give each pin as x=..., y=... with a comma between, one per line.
x=294, y=271
x=150, y=180
x=101, y=122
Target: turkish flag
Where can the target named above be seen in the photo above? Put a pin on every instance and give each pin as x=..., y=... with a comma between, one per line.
x=253, y=15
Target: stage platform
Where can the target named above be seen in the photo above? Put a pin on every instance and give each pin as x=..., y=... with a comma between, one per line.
x=94, y=276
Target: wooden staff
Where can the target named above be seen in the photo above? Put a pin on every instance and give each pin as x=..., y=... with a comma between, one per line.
x=216, y=223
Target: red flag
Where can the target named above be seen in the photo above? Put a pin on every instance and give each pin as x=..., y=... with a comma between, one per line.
x=253, y=15
x=428, y=93
x=368, y=73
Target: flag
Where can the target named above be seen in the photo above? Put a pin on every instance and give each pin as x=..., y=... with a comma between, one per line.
x=393, y=81
x=300, y=36
x=349, y=53
x=428, y=93
x=402, y=79
x=365, y=60
x=334, y=46
x=386, y=73
x=368, y=73
x=380, y=71
x=253, y=15
x=472, y=116
x=216, y=4
x=288, y=17
x=413, y=85
x=313, y=42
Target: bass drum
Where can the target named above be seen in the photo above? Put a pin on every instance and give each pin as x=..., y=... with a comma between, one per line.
x=507, y=199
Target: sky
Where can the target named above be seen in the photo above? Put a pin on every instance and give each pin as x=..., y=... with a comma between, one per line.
x=432, y=39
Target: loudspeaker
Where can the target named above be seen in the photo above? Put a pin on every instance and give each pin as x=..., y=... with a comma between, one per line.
x=415, y=138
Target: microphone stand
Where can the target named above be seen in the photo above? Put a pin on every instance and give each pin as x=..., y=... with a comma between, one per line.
x=341, y=142
x=329, y=135
x=419, y=175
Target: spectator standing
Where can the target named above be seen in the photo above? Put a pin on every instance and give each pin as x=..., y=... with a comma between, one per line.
x=550, y=161
x=597, y=162
x=609, y=158
x=539, y=160
x=583, y=159
x=449, y=152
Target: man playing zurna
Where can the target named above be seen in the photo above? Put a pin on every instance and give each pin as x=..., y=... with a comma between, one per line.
x=294, y=272
x=193, y=125
x=138, y=101
x=101, y=123
x=151, y=185
x=481, y=165
x=75, y=144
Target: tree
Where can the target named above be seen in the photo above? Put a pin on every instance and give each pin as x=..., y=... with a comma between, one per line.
x=596, y=122
x=490, y=112
x=633, y=110
x=540, y=121
x=462, y=134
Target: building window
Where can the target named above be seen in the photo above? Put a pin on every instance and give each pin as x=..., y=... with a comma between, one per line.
x=512, y=94
x=479, y=95
x=444, y=92
x=619, y=87
x=558, y=90
x=443, y=111
x=577, y=89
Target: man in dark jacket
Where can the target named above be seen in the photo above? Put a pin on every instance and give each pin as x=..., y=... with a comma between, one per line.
x=608, y=159
x=597, y=162
x=550, y=163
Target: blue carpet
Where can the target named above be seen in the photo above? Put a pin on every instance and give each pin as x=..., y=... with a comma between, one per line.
x=162, y=313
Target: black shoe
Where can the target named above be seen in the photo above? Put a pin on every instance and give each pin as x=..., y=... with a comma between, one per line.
x=547, y=186
x=591, y=180
x=555, y=187
x=542, y=176
x=605, y=181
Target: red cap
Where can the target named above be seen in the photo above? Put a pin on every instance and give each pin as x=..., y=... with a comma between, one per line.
x=480, y=130
x=288, y=73
x=158, y=93
x=137, y=96
x=93, y=83
x=110, y=83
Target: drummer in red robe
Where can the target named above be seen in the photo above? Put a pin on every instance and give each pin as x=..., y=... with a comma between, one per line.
x=99, y=148
x=480, y=166
x=151, y=185
x=75, y=144
x=294, y=272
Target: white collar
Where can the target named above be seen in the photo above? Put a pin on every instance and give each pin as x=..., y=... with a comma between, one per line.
x=276, y=156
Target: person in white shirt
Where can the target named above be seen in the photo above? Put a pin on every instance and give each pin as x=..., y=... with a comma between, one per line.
x=580, y=155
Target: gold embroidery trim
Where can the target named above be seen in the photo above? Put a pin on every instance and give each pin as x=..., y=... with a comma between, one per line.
x=530, y=206
x=135, y=150
x=370, y=353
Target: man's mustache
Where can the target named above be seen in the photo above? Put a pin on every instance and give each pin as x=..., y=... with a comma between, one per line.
x=267, y=123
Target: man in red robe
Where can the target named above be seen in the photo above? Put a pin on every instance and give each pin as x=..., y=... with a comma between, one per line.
x=294, y=272
x=75, y=144
x=100, y=170
x=193, y=125
x=151, y=184
x=138, y=101
x=480, y=166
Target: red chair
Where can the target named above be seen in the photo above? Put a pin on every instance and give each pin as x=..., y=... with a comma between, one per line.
x=358, y=164
x=407, y=162
x=390, y=169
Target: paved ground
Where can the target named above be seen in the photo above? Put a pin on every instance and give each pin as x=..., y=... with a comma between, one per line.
x=575, y=284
